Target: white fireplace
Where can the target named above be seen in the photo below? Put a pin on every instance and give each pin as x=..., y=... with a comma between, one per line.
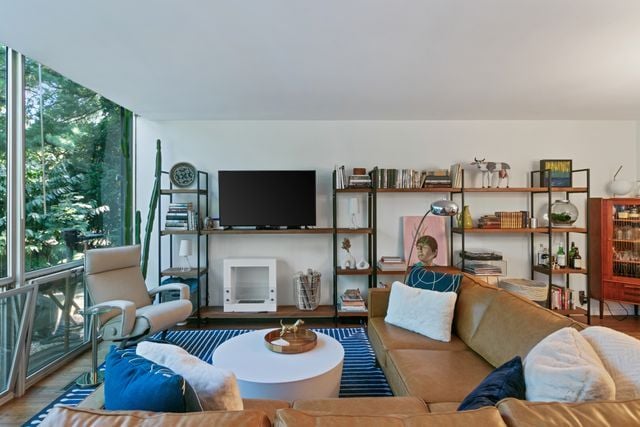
x=250, y=284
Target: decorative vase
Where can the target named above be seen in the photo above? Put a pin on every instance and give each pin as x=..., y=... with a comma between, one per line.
x=563, y=213
x=464, y=218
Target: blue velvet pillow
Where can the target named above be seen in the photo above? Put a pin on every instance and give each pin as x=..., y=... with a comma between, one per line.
x=505, y=381
x=420, y=277
x=134, y=383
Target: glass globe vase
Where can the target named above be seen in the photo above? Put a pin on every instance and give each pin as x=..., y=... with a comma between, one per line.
x=563, y=213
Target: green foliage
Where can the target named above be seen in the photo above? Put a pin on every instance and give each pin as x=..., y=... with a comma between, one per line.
x=76, y=176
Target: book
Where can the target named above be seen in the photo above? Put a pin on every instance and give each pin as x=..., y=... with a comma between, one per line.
x=392, y=266
x=391, y=259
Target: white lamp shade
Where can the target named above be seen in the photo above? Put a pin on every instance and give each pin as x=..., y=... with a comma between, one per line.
x=185, y=248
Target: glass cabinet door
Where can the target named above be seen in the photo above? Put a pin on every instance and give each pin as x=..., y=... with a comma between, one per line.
x=625, y=240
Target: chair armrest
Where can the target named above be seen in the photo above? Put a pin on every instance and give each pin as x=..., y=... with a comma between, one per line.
x=378, y=302
x=184, y=289
x=127, y=308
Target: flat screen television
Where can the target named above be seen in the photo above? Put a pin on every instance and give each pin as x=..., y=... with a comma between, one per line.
x=267, y=198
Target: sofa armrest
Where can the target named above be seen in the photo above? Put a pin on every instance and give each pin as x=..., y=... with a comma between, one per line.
x=183, y=288
x=378, y=302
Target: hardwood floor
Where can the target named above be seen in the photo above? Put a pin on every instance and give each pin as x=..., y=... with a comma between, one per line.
x=18, y=411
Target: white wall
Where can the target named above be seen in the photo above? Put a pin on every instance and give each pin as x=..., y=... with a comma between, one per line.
x=211, y=145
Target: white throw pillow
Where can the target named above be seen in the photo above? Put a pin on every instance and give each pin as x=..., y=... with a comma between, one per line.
x=620, y=355
x=216, y=388
x=563, y=367
x=426, y=312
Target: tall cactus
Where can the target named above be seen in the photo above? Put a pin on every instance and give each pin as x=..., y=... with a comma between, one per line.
x=138, y=223
x=153, y=204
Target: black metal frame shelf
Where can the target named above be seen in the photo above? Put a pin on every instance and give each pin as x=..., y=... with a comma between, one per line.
x=201, y=270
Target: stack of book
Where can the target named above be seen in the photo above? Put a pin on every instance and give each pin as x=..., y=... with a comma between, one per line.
x=399, y=178
x=482, y=269
x=438, y=178
x=352, y=300
x=489, y=221
x=359, y=181
x=392, y=263
x=341, y=181
x=181, y=216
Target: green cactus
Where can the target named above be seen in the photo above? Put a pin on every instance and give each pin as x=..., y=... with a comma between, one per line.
x=153, y=204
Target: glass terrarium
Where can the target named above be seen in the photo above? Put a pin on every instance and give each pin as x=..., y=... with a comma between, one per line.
x=563, y=213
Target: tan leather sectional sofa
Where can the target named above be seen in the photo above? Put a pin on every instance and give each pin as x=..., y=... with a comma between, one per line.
x=429, y=378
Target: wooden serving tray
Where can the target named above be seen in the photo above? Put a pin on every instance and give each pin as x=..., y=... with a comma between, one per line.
x=299, y=342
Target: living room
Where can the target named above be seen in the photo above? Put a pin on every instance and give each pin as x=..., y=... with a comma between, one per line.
x=415, y=85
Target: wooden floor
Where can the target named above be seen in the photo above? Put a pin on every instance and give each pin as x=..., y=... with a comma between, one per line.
x=18, y=411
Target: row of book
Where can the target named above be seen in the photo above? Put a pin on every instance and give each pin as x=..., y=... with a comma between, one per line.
x=412, y=178
x=561, y=298
x=351, y=300
x=517, y=219
x=357, y=180
x=181, y=216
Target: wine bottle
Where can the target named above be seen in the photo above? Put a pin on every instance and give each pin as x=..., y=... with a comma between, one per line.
x=561, y=257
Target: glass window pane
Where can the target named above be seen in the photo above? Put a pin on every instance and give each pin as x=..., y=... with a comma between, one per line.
x=11, y=312
x=58, y=328
x=3, y=161
x=75, y=169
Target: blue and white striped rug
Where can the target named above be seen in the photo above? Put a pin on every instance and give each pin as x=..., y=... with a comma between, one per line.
x=360, y=375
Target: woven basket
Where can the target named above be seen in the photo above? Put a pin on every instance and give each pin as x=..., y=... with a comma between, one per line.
x=535, y=291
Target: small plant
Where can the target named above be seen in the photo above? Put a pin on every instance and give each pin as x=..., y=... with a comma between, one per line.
x=346, y=245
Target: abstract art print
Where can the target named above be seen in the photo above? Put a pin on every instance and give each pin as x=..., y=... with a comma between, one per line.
x=559, y=172
x=431, y=244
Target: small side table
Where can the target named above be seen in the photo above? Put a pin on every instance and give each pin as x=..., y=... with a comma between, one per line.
x=94, y=377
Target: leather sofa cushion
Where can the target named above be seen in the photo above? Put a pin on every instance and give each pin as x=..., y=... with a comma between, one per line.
x=66, y=416
x=384, y=337
x=268, y=406
x=436, y=375
x=520, y=413
x=480, y=417
x=443, y=406
x=511, y=326
x=364, y=406
x=473, y=300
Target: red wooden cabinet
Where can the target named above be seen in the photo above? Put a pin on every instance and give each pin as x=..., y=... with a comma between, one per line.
x=614, y=250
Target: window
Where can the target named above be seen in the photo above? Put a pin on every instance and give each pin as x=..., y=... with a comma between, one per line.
x=3, y=162
x=76, y=175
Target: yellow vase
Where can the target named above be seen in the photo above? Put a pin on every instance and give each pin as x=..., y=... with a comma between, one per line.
x=465, y=218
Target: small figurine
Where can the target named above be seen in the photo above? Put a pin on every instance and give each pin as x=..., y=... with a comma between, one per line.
x=291, y=328
x=488, y=170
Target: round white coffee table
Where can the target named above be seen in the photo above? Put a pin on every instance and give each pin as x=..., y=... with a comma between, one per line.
x=261, y=373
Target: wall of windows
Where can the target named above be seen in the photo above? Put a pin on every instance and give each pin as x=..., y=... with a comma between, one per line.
x=66, y=149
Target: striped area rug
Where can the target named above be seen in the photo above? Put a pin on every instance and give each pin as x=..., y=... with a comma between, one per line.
x=360, y=375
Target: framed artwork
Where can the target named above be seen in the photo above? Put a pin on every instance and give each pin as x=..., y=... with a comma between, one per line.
x=432, y=237
x=560, y=173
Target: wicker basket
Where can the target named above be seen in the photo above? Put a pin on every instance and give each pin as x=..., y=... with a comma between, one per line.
x=535, y=291
x=306, y=291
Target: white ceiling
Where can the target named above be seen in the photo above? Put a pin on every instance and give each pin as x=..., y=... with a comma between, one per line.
x=342, y=59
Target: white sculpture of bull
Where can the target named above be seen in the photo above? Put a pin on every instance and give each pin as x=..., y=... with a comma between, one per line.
x=488, y=170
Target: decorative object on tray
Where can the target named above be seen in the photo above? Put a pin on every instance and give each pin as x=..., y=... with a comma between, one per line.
x=489, y=169
x=350, y=260
x=563, y=213
x=182, y=174
x=291, y=339
x=559, y=171
x=306, y=289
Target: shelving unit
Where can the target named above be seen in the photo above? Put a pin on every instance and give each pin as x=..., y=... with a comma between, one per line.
x=369, y=232
x=565, y=272
x=532, y=232
x=614, y=255
x=200, y=197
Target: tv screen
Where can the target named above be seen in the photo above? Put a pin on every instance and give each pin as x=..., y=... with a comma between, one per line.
x=267, y=198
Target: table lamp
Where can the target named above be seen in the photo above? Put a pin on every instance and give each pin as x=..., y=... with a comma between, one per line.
x=438, y=208
x=185, y=252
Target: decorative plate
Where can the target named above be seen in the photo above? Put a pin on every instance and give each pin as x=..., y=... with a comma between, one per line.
x=291, y=342
x=182, y=174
